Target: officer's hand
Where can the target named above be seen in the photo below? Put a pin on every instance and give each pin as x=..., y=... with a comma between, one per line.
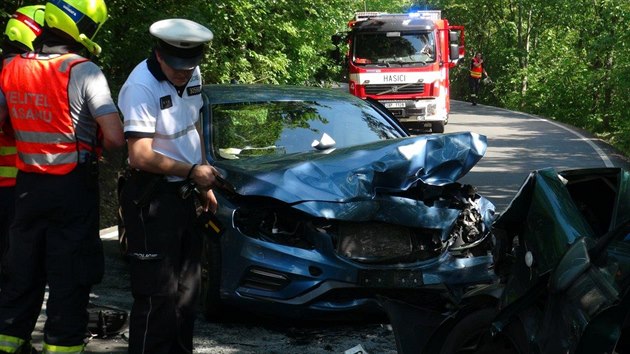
x=209, y=201
x=204, y=176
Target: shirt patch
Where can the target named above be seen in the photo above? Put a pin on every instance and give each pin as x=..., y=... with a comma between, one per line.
x=166, y=102
x=193, y=90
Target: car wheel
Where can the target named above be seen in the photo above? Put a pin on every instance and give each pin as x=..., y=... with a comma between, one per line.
x=471, y=334
x=211, y=306
x=438, y=127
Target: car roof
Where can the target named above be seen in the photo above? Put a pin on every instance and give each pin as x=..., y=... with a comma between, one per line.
x=231, y=93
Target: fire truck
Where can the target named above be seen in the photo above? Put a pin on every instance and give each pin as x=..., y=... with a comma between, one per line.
x=403, y=61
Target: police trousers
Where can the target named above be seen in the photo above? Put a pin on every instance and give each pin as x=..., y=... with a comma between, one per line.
x=54, y=241
x=164, y=251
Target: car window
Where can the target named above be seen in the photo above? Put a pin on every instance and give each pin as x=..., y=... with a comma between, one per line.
x=253, y=129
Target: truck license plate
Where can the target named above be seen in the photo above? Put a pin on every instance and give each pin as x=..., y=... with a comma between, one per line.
x=394, y=104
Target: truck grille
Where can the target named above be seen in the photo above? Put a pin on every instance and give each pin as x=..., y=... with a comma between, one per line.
x=394, y=89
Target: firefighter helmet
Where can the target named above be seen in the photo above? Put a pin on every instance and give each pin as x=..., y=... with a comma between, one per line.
x=24, y=26
x=80, y=19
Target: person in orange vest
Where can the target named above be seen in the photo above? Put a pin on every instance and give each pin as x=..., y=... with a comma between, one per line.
x=63, y=115
x=476, y=72
x=21, y=30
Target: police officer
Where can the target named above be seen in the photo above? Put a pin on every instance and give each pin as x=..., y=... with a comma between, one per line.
x=160, y=102
x=22, y=28
x=62, y=113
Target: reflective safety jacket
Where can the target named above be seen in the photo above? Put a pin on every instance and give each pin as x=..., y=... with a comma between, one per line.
x=8, y=171
x=36, y=91
x=475, y=71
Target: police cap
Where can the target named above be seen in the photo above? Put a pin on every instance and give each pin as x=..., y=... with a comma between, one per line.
x=181, y=42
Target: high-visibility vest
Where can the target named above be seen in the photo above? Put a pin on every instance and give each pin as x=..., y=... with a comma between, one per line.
x=475, y=71
x=8, y=171
x=36, y=91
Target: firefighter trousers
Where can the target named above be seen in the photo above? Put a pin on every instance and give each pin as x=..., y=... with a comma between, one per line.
x=474, y=84
x=7, y=206
x=164, y=251
x=54, y=241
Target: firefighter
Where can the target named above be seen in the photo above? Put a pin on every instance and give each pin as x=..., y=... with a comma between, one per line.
x=63, y=115
x=22, y=28
x=476, y=72
x=160, y=102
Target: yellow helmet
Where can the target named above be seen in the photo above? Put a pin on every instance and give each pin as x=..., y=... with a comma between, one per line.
x=80, y=19
x=25, y=25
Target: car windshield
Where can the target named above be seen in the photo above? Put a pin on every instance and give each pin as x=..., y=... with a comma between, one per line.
x=254, y=129
x=393, y=48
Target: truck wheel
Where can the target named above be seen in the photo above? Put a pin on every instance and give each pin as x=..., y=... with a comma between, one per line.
x=437, y=127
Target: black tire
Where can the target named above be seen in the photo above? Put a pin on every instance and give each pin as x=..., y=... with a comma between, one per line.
x=211, y=306
x=471, y=333
x=437, y=128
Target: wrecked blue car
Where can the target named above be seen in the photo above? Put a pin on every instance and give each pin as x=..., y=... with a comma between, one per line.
x=331, y=203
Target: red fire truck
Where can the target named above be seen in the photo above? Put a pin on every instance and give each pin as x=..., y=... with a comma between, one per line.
x=403, y=61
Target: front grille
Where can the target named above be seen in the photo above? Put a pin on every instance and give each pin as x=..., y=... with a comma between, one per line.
x=381, y=243
x=264, y=279
x=386, y=89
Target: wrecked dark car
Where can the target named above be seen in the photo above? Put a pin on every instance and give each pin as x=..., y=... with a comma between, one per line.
x=562, y=256
x=331, y=203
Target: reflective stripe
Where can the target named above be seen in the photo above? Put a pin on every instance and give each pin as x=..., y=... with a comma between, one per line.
x=49, y=348
x=176, y=135
x=67, y=63
x=43, y=137
x=8, y=172
x=475, y=74
x=7, y=150
x=10, y=344
x=49, y=159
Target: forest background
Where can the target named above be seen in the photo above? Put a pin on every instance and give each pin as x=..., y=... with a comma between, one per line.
x=567, y=60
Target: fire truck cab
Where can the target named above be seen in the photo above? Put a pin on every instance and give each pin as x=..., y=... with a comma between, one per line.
x=403, y=61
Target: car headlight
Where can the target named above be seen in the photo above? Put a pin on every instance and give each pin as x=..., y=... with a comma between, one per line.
x=280, y=225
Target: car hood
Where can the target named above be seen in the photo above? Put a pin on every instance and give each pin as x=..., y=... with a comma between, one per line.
x=359, y=172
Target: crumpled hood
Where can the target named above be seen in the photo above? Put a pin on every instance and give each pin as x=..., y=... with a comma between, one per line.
x=357, y=173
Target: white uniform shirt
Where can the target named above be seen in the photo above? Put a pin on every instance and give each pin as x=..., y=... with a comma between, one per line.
x=152, y=108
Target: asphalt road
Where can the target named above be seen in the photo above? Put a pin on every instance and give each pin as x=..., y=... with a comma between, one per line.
x=517, y=144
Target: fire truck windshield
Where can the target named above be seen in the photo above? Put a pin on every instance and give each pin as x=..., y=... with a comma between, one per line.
x=393, y=49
